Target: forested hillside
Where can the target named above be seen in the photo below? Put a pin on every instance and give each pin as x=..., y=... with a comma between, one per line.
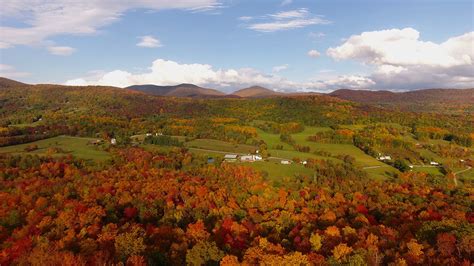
x=101, y=175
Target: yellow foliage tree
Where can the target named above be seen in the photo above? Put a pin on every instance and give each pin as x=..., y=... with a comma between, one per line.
x=315, y=241
x=131, y=243
x=204, y=252
x=341, y=251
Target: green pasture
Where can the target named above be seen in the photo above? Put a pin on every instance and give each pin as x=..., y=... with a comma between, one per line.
x=76, y=146
x=428, y=169
x=218, y=145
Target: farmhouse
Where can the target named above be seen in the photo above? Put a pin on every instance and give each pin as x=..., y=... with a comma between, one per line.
x=434, y=163
x=247, y=158
x=384, y=158
x=230, y=157
x=113, y=141
x=285, y=162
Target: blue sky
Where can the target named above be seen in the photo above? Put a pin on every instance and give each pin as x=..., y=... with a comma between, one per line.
x=397, y=45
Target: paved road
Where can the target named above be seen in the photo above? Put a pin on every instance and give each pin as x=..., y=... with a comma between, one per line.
x=462, y=171
x=374, y=167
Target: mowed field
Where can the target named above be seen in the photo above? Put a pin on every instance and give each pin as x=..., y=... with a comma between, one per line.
x=218, y=145
x=362, y=159
x=75, y=146
x=272, y=168
x=468, y=175
x=380, y=170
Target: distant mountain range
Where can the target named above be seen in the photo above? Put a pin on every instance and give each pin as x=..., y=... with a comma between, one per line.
x=448, y=96
x=417, y=96
x=461, y=96
x=181, y=90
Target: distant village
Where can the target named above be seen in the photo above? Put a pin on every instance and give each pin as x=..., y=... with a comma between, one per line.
x=249, y=158
x=231, y=158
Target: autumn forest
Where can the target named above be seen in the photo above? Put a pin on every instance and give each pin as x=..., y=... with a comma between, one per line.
x=109, y=176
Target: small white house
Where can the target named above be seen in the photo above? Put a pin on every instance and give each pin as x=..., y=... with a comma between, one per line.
x=304, y=162
x=285, y=162
x=247, y=158
x=230, y=157
x=385, y=158
x=148, y=134
x=113, y=141
x=434, y=163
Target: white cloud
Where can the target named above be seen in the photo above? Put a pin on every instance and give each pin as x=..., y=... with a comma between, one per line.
x=9, y=71
x=286, y=2
x=402, y=61
x=313, y=53
x=287, y=20
x=149, y=42
x=167, y=72
x=61, y=50
x=297, y=13
x=350, y=81
x=48, y=18
x=277, y=69
x=450, y=67
x=245, y=18
x=403, y=47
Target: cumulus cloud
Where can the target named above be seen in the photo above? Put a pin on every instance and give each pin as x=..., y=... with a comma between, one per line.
x=313, y=53
x=48, y=18
x=9, y=71
x=402, y=61
x=61, y=50
x=149, y=42
x=277, y=69
x=287, y=20
x=286, y=2
x=448, y=64
x=167, y=72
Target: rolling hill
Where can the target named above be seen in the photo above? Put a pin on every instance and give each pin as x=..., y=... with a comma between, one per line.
x=9, y=83
x=256, y=92
x=462, y=96
x=181, y=90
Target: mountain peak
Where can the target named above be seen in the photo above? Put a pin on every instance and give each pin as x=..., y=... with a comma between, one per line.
x=256, y=92
x=181, y=90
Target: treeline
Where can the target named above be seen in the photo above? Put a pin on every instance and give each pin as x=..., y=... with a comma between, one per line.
x=338, y=136
x=288, y=139
x=421, y=133
x=163, y=141
x=14, y=136
x=280, y=128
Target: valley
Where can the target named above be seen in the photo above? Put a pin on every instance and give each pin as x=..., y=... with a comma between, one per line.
x=233, y=171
